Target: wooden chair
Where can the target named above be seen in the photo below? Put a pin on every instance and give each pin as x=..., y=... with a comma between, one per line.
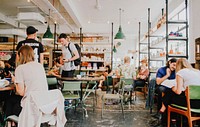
x=191, y=93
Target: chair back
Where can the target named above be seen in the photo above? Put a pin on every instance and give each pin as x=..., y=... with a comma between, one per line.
x=109, y=81
x=52, y=82
x=193, y=92
x=127, y=81
x=71, y=86
x=121, y=87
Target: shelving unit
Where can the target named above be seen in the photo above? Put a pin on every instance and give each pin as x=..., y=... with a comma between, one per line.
x=159, y=44
x=156, y=51
x=177, y=40
x=94, y=56
x=7, y=47
x=143, y=45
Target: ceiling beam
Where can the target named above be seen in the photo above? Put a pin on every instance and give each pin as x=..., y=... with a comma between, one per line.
x=10, y=21
x=68, y=5
x=45, y=5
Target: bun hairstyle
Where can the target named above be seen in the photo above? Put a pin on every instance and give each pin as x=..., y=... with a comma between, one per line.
x=172, y=60
x=26, y=54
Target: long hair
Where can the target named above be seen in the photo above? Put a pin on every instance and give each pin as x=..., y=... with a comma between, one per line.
x=25, y=54
x=109, y=69
x=183, y=63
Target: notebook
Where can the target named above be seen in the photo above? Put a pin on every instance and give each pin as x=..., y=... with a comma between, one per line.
x=169, y=83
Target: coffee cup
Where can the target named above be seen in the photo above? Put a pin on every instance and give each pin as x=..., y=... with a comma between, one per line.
x=78, y=76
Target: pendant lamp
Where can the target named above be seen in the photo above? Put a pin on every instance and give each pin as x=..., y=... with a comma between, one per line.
x=119, y=37
x=114, y=49
x=48, y=35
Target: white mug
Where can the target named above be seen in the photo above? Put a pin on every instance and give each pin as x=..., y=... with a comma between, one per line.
x=78, y=76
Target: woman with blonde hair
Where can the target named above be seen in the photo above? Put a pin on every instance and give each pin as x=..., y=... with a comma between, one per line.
x=29, y=76
x=185, y=75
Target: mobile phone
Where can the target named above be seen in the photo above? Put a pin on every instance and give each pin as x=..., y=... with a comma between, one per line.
x=11, y=73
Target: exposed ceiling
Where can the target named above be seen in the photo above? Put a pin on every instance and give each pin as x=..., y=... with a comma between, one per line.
x=94, y=16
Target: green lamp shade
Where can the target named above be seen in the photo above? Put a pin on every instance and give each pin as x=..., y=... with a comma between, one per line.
x=119, y=37
x=114, y=49
x=48, y=35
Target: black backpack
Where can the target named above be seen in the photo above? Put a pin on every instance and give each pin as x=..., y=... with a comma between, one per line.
x=77, y=61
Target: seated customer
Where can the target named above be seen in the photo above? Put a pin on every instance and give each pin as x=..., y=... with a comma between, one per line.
x=56, y=69
x=126, y=70
x=185, y=75
x=141, y=78
x=29, y=76
x=108, y=72
x=164, y=73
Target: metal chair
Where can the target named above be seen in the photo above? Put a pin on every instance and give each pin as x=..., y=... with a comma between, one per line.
x=117, y=96
x=70, y=91
x=52, y=82
x=127, y=88
x=90, y=88
x=191, y=93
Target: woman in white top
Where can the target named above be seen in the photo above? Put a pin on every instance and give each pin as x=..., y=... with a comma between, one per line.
x=185, y=75
x=29, y=75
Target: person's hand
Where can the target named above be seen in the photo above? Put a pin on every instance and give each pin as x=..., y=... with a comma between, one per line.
x=142, y=77
x=13, y=78
x=66, y=60
x=168, y=72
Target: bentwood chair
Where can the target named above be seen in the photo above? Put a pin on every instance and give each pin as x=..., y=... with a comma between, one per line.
x=191, y=93
x=117, y=96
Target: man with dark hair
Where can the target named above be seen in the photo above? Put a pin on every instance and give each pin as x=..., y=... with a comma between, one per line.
x=30, y=41
x=69, y=54
x=164, y=73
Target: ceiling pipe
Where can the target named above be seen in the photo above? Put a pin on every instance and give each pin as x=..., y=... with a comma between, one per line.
x=69, y=7
x=51, y=7
x=10, y=21
x=98, y=6
x=18, y=32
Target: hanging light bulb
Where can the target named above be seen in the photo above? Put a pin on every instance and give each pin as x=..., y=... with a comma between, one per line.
x=119, y=37
x=48, y=36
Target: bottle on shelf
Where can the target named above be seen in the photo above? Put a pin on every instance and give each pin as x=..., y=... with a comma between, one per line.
x=171, y=50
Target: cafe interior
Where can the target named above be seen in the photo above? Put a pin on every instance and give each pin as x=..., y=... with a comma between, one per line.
x=112, y=51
